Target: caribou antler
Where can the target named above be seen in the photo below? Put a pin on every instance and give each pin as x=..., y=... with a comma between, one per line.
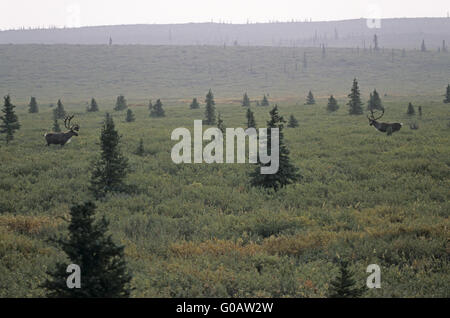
x=67, y=120
x=373, y=116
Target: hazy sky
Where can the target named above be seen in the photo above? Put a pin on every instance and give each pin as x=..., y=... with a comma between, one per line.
x=18, y=13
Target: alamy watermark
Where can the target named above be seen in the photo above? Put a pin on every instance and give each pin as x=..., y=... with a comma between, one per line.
x=213, y=152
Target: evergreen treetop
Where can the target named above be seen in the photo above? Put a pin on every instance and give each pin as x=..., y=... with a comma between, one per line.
x=121, y=103
x=447, y=95
x=293, y=122
x=111, y=168
x=287, y=173
x=93, y=106
x=157, y=110
x=355, y=104
x=210, y=109
x=33, y=106
x=130, y=116
x=245, y=101
x=265, y=101
x=194, y=104
x=310, y=99
x=332, y=105
x=10, y=120
x=344, y=285
x=102, y=263
x=374, y=101
x=410, y=111
x=251, y=123
x=60, y=112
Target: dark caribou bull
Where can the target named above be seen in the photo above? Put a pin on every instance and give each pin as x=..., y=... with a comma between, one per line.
x=62, y=138
x=383, y=127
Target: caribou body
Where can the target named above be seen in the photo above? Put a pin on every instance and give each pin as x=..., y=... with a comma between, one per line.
x=388, y=128
x=62, y=138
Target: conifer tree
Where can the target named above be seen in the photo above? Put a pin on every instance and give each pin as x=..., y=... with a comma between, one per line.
x=265, y=101
x=420, y=111
x=293, y=122
x=140, y=151
x=103, y=268
x=374, y=101
x=56, y=127
x=121, y=103
x=310, y=99
x=194, y=104
x=157, y=110
x=60, y=112
x=332, y=105
x=33, y=106
x=355, y=104
x=245, y=101
x=447, y=95
x=210, y=110
x=220, y=123
x=10, y=120
x=251, y=123
x=287, y=173
x=410, y=110
x=150, y=106
x=423, y=48
x=111, y=168
x=130, y=116
x=93, y=106
x=344, y=285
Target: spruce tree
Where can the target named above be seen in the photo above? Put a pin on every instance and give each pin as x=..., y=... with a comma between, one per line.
x=310, y=99
x=93, y=106
x=265, y=101
x=423, y=48
x=150, y=106
x=220, y=123
x=33, y=106
x=130, y=116
x=293, y=122
x=56, y=127
x=121, y=103
x=157, y=110
x=245, y=101
x=332, y=105
x=10, y=120
x=447, y=95
x=410, y=110
x=344, y=285
x=210, y=110
x=111, y=168
x=251, y=123
x=420, y=111
x=194, y=104
x=374, y=101
x=102, y=263
x=287, y=173
x=60, y=112
x=140, y=151
x=355, y=104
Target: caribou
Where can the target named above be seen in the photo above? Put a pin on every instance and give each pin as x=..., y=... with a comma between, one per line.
x=388, y=128
x=62, y=138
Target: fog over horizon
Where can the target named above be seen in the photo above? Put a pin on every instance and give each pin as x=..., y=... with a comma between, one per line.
x=79, y=13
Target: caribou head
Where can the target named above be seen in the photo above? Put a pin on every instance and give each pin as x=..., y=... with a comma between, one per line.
x=383, y=127
x=62, y=138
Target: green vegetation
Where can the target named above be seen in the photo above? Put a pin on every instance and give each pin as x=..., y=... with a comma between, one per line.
x=447, y=95
x=9, y=119
x=130, y=116
x=121, y=103
x=102, y=263
x=111, y=168
x=220, y=123
x=287, y=172
x=251, y=122
x=310, y=99
x=293, y=122
x=332, y=105
x=374, y=101
x=93, y=106
x=265, y=101
x=344, y=285
x=56, y=127
x=194, y=104
x=33, y=106
x=354, y=103
x=210, y=110
x=245, y=101
x=59, y=110
x=201, y=230
x=157, y=110
x=410, y=111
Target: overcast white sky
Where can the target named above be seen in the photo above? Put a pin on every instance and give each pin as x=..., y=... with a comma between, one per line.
x=33, y=13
